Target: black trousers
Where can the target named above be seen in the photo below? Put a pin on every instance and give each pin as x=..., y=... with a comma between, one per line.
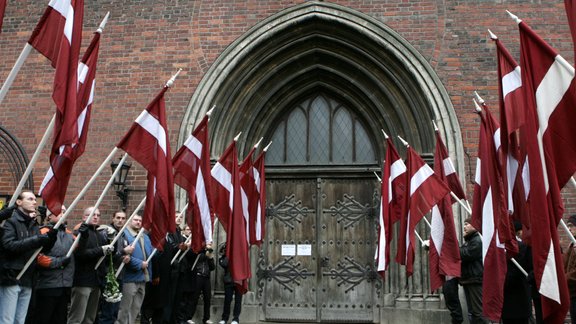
x=473, y=294
x=201, y=286
x=52, y=306
x=230, y=290
x=450, y=290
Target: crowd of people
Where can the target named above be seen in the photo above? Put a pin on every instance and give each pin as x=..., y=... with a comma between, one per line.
x=520, y=294
x=109, y=275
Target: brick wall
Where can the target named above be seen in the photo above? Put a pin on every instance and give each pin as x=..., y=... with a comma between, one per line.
x=146, y=41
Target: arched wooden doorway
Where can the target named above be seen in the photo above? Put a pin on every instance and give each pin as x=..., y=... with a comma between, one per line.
x=274, y=82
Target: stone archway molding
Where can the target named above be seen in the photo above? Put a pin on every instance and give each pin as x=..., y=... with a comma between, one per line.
x=209, y=91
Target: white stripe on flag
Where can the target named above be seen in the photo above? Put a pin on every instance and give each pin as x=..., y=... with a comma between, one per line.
x=203, y=207
x=224, y=178
x=194, y=145
x=511, y=81
x=437, y=229
x=487, y=223
x=448, y=166
x=152, y=126
x=419, y=177
x=478, y=176
x=245, y=212
x=396, y=169
x=548, y=95
x=259, y=207
x=381, y=250
x=47, y=178
x=549, y=284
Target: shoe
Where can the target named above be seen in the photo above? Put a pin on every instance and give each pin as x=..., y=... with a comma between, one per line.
x=190, y=321
x=234, y=322
x=222, y=322
x=208, y=322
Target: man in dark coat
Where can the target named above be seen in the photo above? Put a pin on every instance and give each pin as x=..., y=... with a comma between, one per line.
x=517, y=306
x=87, y=281
x=472, y=271
x=55, y=276
x=20, y=238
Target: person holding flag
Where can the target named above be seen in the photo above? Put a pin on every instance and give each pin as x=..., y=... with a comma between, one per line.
x=472, y=271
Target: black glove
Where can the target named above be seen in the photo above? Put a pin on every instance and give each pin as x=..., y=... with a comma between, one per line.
x=83, y=229
x=53, y=234
x=65, y=261
x=6, y=212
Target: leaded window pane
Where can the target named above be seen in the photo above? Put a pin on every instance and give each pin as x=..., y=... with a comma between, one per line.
x=275, y=154
x=342, y=137
x=296, y=135
x=319, y=131
x=364, y=149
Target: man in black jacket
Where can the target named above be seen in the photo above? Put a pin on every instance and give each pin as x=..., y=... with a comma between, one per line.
x=55, y=277
x=87, y=281
x=20, y=238
x=472, y=271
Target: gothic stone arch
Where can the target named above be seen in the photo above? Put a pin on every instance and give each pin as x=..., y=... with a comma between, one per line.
x=318, y=47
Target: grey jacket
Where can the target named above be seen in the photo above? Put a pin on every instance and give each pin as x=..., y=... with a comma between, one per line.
x=52, y=273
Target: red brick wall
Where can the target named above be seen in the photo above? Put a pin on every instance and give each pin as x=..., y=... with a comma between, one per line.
x=146, y=41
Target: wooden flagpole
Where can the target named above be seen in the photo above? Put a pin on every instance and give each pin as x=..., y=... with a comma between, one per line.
x=102, y=195
x=71, y=207
x=121, y=230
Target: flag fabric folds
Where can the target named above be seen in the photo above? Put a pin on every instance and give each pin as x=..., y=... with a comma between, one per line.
x=549, y=93
x=55, y=184
x=392, y=192
x=192, y=172
x=257, y=224
x=512, y=119
x=228, y=206
x=58, y=36
x=424, y=189
x=490, y=216
x=249, y=192
x=444, y=255
x=147, y=142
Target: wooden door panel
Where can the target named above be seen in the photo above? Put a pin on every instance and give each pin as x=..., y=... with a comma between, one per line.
x=290, y=292
x=346, y=250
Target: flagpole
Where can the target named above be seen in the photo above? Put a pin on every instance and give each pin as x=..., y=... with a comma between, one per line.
x=15, y=69
x=98, y=202
x=179, y=251
x=121, y=230
x=190, y=238
x=33, y=160
x=70, y=208
x=136, y=239
x=151, y=255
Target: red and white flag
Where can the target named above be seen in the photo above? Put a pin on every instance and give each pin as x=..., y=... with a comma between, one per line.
x=55, y=184
x=249, y=191
x=192, y=172
x=444, y=252
x=147, y=142
x=228, y=206
x=58, y=36
x=257, y=224
x=2, y=10
x=489, y=213
x=550, y=97
x=512, y=118
x=424, y=189
x=392, y=192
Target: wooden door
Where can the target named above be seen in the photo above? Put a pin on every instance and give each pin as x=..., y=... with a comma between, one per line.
x=319, y=254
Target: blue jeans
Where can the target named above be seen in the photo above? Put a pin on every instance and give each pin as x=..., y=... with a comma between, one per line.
x=14, y=302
